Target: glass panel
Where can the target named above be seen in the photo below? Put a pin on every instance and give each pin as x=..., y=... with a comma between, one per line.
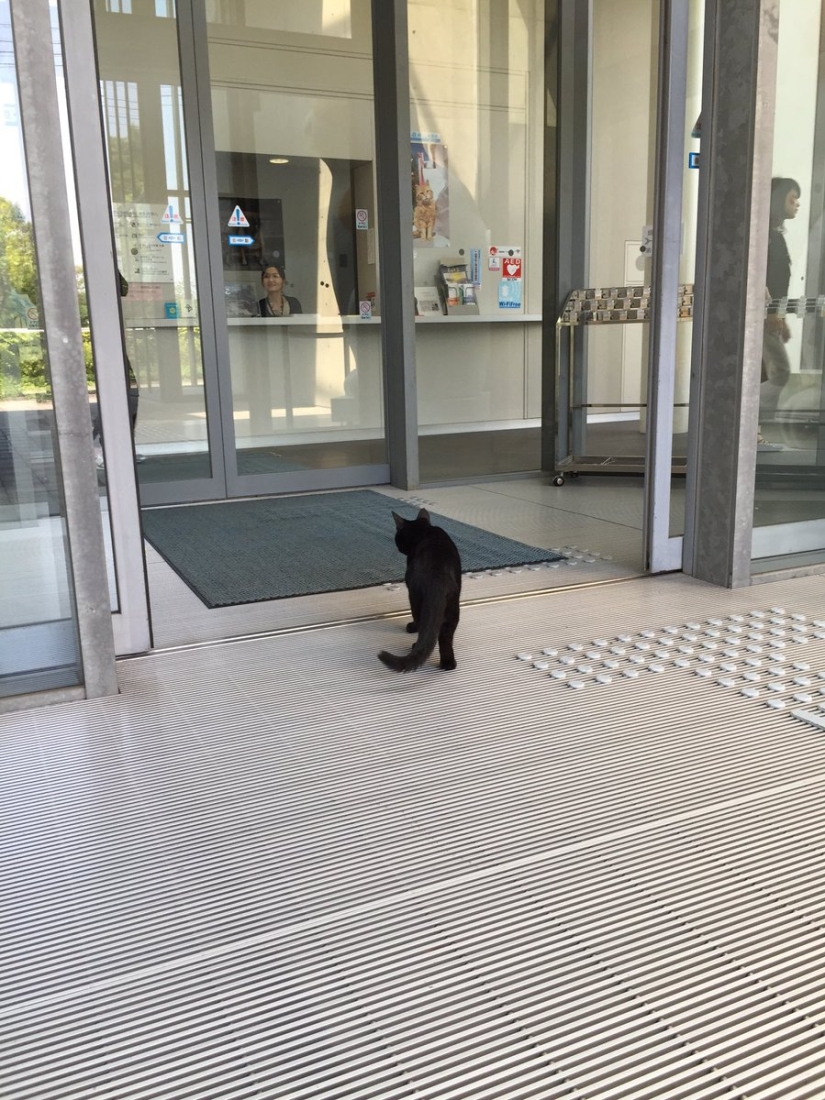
x=142, y=115
x=789, y=509
x=293, y=136
x=604, y=354
x=91, y=370
x=38, y=631
x=477, y=116
x=331, y=18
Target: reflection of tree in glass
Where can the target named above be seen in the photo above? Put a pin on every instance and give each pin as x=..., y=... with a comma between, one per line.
x=126, y=166
x=18, y=272
x=21, y=358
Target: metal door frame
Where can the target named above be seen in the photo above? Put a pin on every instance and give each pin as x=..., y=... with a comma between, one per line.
x=662, y=552
x=130, y=620
x=200, y=144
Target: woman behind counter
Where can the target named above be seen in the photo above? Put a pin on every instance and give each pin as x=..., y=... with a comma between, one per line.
x=276, y=303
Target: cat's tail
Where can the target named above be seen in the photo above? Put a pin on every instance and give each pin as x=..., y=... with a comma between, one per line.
x=431, y=619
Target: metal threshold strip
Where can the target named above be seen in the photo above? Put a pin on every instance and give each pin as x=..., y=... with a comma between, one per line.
x=354, y=620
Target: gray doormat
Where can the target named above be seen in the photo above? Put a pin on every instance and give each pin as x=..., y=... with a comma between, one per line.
x=268, y=549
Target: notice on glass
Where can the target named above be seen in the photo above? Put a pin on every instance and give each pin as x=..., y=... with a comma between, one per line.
x=143, y=258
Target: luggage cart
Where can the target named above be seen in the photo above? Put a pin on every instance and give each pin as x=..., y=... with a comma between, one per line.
x=597, y=306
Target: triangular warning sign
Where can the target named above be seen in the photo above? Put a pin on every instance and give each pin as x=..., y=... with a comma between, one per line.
x=171, y=215
x=237, y=218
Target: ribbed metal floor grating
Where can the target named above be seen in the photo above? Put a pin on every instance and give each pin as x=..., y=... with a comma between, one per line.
x=273, y=869
x=682, y=963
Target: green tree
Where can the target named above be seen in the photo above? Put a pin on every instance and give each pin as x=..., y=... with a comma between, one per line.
x=82, y=302
x=18, y=268
x=126, y=166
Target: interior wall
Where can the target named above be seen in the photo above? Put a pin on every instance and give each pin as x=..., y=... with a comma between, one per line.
x=475, y=85
x=317, y=204
x=477, y=73
x=624, y=62
x=625, y=59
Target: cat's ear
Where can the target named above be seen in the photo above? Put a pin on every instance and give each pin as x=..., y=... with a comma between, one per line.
x=424, y=514
x=399, y=520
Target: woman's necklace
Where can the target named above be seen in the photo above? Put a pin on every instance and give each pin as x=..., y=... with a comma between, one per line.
x=276, y=312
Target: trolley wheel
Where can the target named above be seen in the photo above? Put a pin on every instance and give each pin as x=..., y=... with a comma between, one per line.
x=558, y=479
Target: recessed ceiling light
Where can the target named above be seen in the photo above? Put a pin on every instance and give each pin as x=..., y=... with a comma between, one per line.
x=279, y=160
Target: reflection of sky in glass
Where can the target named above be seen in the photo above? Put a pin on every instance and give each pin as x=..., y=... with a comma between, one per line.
x=176, y=177
x=13, y=185
x=36, y=612
x=172, y=128
x=13, y=182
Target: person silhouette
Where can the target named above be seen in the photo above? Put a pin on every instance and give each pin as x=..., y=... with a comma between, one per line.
x=776, y=366
x=133, y=393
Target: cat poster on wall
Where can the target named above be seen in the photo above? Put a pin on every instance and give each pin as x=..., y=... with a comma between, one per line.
x=430, y=193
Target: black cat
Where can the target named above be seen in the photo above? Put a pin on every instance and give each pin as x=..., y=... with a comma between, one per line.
x=433, y=580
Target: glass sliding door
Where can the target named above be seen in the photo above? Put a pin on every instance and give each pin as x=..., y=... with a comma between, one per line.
x=39, y=647
x=142, y=106
x=609, y=113
x=789, y=503
x=477, y=112
x=292, y=106
x=626, y=263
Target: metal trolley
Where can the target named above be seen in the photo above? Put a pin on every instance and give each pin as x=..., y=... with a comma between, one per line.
x=597, y=306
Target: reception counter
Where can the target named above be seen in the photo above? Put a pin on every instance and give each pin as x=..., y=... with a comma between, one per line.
x=310, y=373
x=321, y=366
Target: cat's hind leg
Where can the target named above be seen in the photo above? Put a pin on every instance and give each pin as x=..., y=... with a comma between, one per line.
x=446, y=655
x=415, y=610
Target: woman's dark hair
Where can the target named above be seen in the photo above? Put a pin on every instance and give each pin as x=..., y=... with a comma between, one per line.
x=278, y=267
x=781, y=187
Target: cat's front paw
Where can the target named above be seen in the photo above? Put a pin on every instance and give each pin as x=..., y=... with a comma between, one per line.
x=448, y=665
x=412, y=628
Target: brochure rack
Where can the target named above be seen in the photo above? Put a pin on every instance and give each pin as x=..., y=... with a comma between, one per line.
x=597, y=306
x=457, y=291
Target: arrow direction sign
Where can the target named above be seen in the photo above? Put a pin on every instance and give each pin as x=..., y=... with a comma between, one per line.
x=237, y=219
x=241, y=240
x=171, y=238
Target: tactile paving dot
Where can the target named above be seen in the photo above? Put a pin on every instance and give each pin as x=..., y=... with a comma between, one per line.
x=721, y=644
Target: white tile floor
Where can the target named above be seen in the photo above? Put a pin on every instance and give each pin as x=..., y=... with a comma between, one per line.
x=271, y=868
